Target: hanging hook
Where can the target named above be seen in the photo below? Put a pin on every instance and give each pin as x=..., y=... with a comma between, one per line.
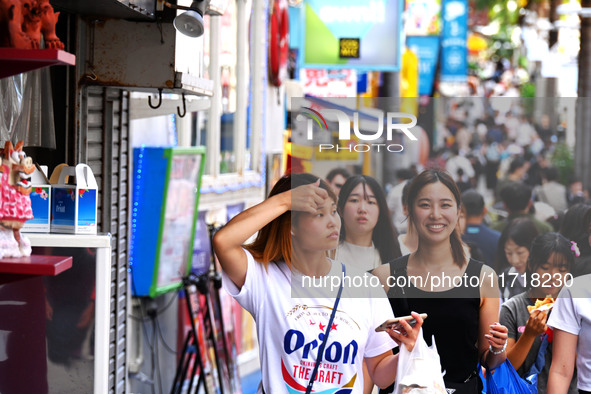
x=159, y=100
x=178, y=110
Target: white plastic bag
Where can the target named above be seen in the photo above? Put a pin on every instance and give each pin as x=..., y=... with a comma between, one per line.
x=419, y=371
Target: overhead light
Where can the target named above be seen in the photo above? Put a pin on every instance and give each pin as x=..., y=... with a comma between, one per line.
x=189, y=23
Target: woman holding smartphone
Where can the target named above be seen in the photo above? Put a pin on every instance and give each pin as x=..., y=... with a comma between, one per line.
x=297, y=225
x=459, y=295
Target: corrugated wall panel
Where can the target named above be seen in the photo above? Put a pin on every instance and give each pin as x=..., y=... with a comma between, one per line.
x=103, y=142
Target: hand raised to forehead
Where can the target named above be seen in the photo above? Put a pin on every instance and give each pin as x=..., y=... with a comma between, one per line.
x=308, y=198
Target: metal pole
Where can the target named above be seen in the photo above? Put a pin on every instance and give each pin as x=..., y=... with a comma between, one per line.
x=391, y=89
x=215, y=112
x=241, y=85
x=583, y=117
x=259, y=80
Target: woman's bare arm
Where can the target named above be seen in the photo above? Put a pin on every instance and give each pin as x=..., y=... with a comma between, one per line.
x=564, y=350
x=491, y=333
x=228, y=241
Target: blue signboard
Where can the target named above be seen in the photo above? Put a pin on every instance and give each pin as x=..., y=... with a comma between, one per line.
x=454, y=52
x=427, y=50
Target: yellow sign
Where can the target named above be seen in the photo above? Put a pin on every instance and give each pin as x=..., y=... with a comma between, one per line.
x=301, y=151
x=349, y=48
x=409, y=82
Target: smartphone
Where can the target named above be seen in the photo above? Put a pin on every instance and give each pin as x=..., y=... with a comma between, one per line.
x=395, y=324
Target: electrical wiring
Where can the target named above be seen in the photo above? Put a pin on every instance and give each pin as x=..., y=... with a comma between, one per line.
x=158, y=312
x=156, y=353
x=166, y=346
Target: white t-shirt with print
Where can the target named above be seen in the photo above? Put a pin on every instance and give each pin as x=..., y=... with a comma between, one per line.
x=290, y=330
x=572, y=313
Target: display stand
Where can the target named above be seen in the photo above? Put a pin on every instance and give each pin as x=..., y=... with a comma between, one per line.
x=207, y=285
x=22, y=307
x=98, y=266
x=230, y=367
x=191, y=349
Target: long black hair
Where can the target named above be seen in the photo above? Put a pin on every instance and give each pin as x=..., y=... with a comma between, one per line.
x=384, y=235
x=573, y=227
x=543, y=247
x=520, y=230
x=433, y=176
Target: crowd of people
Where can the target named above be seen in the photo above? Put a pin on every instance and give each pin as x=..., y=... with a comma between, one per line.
x=427, y=225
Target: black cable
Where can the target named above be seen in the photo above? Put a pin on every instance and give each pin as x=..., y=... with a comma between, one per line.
x=142, y=313
x=159, y=25
x=159, y=311
x=145, y=331
x=157, y=354
x=153, y=355
x=170, y=350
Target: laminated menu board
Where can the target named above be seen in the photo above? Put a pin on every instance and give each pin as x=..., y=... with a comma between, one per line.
x=166, y=185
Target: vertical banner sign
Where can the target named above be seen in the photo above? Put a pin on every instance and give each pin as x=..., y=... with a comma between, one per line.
x=352, y=34
x=427, y=49
x=423, y=17
x=454, y=52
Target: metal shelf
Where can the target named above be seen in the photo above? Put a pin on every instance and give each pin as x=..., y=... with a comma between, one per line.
x=15, y=61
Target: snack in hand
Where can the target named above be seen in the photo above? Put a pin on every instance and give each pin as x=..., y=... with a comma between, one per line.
x=541, y=305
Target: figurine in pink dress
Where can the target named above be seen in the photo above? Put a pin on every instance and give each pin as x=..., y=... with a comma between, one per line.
x=15, y=204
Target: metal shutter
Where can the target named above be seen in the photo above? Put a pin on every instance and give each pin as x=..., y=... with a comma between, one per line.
x=103, y=143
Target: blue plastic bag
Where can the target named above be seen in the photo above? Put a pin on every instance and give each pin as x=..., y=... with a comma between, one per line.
x=505, y=380
x=532, y=375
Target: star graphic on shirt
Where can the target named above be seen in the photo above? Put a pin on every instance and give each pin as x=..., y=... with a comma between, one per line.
x=334, y=326
x=321, y=326
x=312, y=322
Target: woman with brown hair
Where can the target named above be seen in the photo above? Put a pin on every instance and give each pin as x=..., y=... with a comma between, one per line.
x=297, y=225
x=459, y=295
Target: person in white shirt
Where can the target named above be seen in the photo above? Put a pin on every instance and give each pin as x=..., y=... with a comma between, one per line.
x=571, y=321
x=367, y=236
x=297, y=225
x=457, y=162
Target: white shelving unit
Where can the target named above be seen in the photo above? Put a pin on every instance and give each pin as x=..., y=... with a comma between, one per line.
x=102, y=244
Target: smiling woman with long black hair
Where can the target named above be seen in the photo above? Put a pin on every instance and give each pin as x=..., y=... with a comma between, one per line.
x=463, y=317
